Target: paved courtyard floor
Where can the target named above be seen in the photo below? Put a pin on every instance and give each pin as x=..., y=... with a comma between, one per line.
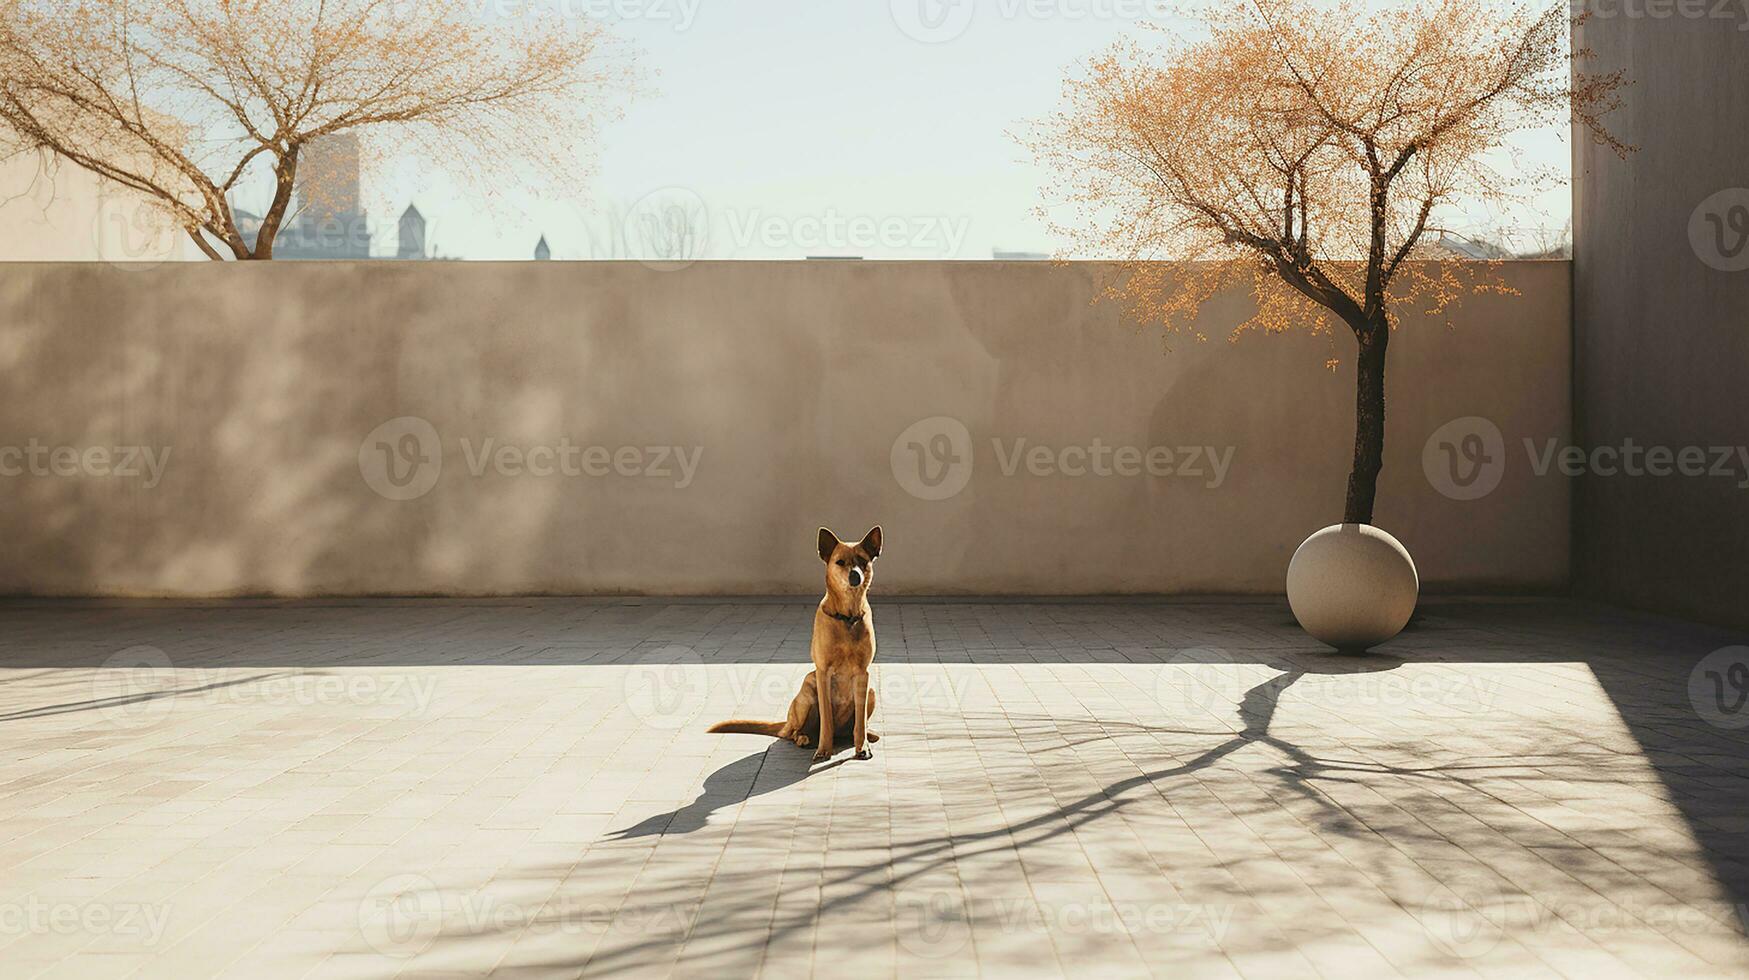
x=1111, y=788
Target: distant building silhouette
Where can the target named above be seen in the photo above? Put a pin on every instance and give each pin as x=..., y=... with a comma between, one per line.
x=327, y=218
x=1001, y=255
x=412, y=240
x=412, y=244
x=541, y=251
x=248, y=224
x=1470, y=248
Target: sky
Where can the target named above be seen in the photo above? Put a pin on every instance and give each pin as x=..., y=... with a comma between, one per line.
x=786, y=128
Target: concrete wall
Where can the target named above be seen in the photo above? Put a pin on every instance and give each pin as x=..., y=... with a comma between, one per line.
x=803, y=393
x=1661, y=310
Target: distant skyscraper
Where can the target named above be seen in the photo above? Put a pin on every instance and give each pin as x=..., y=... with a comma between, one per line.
x=541, y=252
x=330, y=220
x=328, y=175
x=412, y=243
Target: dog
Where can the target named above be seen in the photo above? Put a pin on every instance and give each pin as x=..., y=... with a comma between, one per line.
x=843, y=649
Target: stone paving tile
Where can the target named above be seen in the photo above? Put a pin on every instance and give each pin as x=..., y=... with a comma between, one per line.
x=1097, y=788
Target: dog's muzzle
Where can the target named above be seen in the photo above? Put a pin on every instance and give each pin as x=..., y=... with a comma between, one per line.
x=856, y=578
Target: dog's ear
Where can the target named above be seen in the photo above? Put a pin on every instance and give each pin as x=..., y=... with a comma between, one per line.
x=828, y=544
x=871, y=542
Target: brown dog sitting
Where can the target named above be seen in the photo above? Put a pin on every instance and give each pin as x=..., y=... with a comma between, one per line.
x=843, y=649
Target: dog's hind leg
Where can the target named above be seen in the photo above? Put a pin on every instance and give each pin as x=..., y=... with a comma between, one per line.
x=801, y=714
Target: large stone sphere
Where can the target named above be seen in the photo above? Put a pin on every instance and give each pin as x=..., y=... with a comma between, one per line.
x=1352, y=586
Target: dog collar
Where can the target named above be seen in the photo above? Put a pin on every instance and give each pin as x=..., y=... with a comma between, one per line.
x=850, y=620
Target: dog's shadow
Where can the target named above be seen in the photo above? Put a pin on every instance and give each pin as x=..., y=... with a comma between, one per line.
x=779, y=765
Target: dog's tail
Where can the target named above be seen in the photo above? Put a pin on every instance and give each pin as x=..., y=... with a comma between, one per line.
x=744, y=727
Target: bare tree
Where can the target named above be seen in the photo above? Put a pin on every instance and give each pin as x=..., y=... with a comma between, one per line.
x=1305, y=150
x=669, y=227
x=181, y=100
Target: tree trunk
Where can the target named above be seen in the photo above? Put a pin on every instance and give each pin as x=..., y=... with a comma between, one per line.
x=285, y=179
x=1369, y=421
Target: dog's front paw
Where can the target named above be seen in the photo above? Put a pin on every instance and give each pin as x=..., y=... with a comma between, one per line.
x=804, y=741
x=865, y=754
x=822, y=755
